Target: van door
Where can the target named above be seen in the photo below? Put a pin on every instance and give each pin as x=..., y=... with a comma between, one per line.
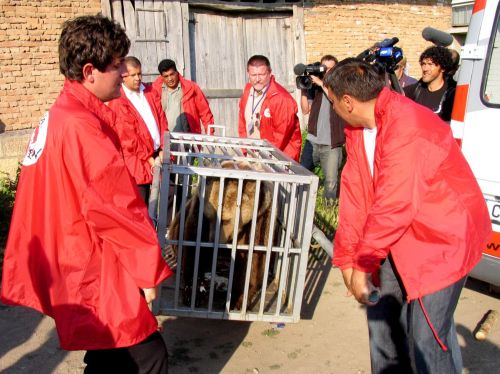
x=476, y=120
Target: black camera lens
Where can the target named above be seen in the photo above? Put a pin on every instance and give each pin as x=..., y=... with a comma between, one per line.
x=303, y=82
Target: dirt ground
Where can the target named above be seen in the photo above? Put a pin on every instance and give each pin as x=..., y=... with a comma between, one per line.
x=331, y=337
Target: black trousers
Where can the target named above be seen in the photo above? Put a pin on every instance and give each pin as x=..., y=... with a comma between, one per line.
x=144, y=190
x=401, y=338
x=148, y=356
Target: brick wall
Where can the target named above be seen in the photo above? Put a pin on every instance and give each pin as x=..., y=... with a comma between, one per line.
x=346, y=28
x=29, y=69
x=29, y=30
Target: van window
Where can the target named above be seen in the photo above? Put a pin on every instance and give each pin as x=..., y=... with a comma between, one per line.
x=491, y=94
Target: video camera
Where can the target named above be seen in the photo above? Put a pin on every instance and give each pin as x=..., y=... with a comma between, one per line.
x=383, y=54
x=303, y=72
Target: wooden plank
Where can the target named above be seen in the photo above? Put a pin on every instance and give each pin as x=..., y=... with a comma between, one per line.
x=116, y=10
x=240, y=7
x=139, y=48
x=242, y=55
x=161, y=35
x=299, y=51
x=106, y=9
x=221, y=45
x=130, y=19
x=217, y=93
x=173, y=28
x=150, y=58
x=184, y=46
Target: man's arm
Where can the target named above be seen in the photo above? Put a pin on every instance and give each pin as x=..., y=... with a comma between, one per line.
x=118, y=216
x=305, y=105
x=319, y=82
x=136, y=160
x=287, y=122
x=111, y=206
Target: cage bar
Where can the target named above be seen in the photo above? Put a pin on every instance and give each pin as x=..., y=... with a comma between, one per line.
x=234, y=219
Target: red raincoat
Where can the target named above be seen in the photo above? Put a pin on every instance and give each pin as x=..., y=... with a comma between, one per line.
x=423, y=204
x=279, y=123
x=81, y=244
x=194, y=104
x=135, y=139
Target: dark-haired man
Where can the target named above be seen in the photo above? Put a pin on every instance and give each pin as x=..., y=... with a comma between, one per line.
x=184, y=103
x=267, y=110
x=140, y=124
x=434, y=90
x=412, y=221
x=81, y=246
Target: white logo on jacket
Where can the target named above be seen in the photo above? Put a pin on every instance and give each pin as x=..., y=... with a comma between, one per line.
x=37, y=142
x=267, y=113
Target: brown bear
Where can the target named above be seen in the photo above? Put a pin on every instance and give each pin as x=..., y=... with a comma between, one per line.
x=227, y=219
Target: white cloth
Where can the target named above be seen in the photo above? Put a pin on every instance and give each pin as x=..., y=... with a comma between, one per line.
x=252, y=112
x=369, y=138
x=139, y=101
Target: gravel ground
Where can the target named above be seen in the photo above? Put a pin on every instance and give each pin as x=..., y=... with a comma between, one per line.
x=331, y=337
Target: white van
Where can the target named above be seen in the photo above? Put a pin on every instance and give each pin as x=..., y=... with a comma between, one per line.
x=476, y=120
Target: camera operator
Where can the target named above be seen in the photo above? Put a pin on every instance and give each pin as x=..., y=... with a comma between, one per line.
x=325, y=132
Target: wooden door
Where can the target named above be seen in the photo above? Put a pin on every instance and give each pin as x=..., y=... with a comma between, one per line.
x=211, y=45
x=156, y=29
x=222, y=43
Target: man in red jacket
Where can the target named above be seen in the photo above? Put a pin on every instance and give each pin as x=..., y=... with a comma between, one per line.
x=268, y=111
x=412, y=221
x=81, y=246
x=140, y=124
x=184, y=103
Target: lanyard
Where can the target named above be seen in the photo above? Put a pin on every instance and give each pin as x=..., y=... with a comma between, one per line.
x=264, y=91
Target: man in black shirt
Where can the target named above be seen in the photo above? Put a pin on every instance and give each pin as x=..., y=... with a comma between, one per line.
x=434, y=90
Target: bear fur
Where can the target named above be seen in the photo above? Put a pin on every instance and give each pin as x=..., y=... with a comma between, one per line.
x=228, y=213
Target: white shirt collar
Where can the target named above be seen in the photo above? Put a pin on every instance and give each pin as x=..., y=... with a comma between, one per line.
x=129, y=92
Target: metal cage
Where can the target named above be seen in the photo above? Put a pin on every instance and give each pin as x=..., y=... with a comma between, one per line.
x=234, y=219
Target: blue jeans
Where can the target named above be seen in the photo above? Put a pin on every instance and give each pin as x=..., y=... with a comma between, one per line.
x=401, y=340
x=330, y=160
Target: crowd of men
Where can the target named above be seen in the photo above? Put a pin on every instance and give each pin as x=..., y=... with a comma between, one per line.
x=266, y=111
x=82, y=249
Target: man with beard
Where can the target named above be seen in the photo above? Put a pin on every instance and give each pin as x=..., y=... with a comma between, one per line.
x=434, y=90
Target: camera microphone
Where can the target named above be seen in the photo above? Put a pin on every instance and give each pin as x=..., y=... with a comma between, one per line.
x=388, y=42
x=368, y=54
x=438, y=38
x=299, y=69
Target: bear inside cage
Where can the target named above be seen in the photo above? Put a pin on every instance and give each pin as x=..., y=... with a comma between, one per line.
x=232, y=236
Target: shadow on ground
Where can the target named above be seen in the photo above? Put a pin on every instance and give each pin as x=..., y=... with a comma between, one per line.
x=479, y=357
x=202, y=345
x=215, y=341
x=15, y=334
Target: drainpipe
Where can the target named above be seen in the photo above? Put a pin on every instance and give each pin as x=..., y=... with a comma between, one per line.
x=322, y=240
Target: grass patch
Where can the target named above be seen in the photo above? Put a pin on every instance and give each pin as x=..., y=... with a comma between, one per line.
x=7, y=195
x=326, y=215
